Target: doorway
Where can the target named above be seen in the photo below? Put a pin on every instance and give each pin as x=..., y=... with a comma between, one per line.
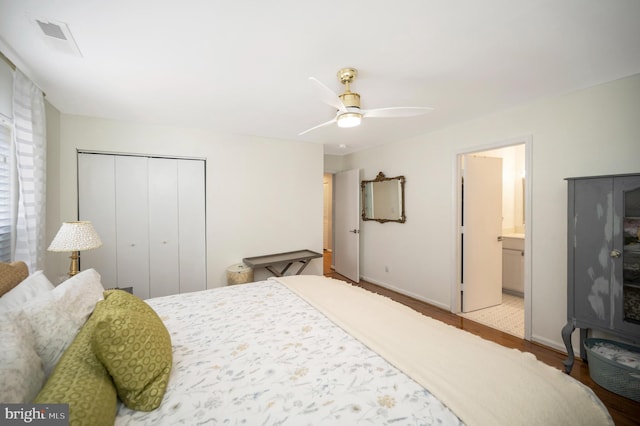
x=327, y=240
x=346, y=225
x=512, y=313
x=342, y=224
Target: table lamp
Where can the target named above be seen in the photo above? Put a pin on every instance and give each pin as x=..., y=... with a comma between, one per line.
x=75, y=237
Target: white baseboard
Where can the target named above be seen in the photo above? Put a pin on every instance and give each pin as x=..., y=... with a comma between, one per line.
x=551, y=344
x=407, y=293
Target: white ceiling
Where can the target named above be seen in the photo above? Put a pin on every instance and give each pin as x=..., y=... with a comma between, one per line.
x=242, y=66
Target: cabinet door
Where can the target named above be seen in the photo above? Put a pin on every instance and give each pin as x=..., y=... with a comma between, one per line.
x=191, y=212
x=163, y=227
x=132, y=224
x=591, y=228
x=512, y=270
x=97, y=204
x=626, y=255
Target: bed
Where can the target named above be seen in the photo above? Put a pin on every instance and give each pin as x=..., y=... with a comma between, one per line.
x=289, y=350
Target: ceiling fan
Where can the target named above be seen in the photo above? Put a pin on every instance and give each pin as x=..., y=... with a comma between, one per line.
x=347, y=104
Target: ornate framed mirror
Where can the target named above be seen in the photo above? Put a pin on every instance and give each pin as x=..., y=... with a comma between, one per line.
x=383, y=199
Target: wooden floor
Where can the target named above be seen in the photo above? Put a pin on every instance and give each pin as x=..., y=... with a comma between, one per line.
x=623, y=410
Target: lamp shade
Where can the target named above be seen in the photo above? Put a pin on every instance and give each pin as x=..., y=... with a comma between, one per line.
x=349, y=119
x=75, y=236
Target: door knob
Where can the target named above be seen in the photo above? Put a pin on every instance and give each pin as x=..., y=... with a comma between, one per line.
x=355, y=231
x=615, y=253
x=500, y=238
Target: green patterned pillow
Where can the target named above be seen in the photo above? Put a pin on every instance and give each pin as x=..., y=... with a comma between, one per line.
x=80, y=380
x=135, y=347
x=120, y=299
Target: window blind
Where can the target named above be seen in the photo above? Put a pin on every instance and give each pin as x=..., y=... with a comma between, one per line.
x=6, y=210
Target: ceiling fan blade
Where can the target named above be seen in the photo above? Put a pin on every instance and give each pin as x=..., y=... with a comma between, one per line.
x=327, y=95
x=392, y=112
x=318, y=126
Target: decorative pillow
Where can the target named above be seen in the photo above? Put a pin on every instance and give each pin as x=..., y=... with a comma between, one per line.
x=120, y=299
x=54, y=328
x=11, y=274
x=33, y=286
x=79, y=294
x=20, y=366
x=81, y=381
x=57, y=316
x=135, y=347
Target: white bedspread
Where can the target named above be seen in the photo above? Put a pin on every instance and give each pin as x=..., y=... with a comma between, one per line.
x=482, y=382
x=256, y=354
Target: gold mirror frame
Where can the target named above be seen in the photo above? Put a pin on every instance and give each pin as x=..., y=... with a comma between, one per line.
x=382, y=178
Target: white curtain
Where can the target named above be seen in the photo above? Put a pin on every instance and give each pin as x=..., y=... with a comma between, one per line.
x=30, y=153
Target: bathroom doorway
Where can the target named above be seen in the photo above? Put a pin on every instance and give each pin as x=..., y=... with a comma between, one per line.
x=511, y=312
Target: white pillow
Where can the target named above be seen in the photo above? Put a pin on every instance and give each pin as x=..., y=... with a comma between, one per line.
x=57, y=316
x=53, y=329
x=34, y=285
x=20, y=367
x=79, y=294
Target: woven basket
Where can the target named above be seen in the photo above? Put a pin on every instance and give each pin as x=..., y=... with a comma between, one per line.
x=611, y=375
x=239, y=274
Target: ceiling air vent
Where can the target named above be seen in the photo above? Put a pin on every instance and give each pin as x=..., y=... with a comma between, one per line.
x=52, y=30
x=57, y=35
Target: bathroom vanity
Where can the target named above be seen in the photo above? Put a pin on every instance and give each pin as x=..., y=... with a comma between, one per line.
x=513, y=264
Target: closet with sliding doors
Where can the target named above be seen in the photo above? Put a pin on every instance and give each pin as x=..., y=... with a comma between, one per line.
x=150, y=214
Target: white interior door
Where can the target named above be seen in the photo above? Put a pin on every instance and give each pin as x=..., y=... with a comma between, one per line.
x=482, y=230
x=132, y=224
x=192, y=225
x=97, y=204
x=164, y=272
x=346, y=255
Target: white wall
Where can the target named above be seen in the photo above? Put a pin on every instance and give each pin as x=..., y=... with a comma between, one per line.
x=263, y=196
x=590, y=132
x=334, y=163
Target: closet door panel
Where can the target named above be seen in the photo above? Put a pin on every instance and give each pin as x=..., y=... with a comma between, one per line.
x=163, y=227
x=97, y=203
x=191, y=212
x=132, y=224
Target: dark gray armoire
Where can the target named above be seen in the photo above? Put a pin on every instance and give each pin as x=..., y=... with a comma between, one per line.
x=603, y=258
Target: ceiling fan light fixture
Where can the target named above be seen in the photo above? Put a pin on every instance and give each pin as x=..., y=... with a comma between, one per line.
x=347, y=104
x=349, y=119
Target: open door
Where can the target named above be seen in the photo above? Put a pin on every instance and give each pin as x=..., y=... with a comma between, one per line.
x=346, y=255
x=482, y=233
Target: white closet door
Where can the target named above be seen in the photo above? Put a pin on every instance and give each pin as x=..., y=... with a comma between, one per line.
x=132, y=224
x=96, y=203
x=191, y=211
x=163, y=227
